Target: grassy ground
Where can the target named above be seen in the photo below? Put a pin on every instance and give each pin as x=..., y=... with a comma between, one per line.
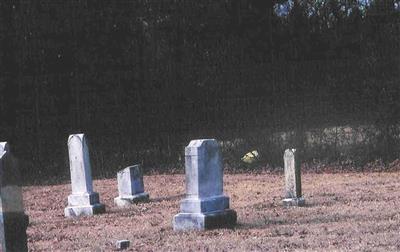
x=344, y=212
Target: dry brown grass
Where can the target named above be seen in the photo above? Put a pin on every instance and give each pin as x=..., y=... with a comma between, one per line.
x=348, y=211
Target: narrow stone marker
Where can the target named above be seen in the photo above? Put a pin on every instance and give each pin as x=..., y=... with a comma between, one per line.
x=293, y=196
x=130, y=186
x=205, y=206
x=83, y=200
x=13, y=220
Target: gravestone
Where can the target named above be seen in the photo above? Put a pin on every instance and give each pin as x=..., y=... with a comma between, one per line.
x=13, y=220
x=293, y=195
x=83, y=200
x=205, y=206
x=130, y=186
x=122, y=244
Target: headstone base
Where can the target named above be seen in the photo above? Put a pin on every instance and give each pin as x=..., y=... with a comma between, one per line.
x=206, y=205
x=202, y=221
x=294, y=202
x=129, y=200
x=76, y=211
x=83, y=199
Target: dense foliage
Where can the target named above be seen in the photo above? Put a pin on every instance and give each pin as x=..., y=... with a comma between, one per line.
x=143, y=77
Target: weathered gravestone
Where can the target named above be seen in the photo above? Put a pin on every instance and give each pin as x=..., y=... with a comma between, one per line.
x=293, y=196
x=205, y=206
x=130, y=186
x=13, y=220
x=122, y=244
x=83, y=200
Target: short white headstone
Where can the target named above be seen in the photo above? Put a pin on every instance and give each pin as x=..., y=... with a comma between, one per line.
x=293, y=195
x=130, y=186
x=83, y=200
x=205, y=205
x=13, y=220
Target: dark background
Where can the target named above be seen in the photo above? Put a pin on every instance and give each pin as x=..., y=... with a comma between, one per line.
x=142, y=78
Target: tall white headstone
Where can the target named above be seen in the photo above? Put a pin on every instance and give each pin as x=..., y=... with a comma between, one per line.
x=293, y=195
x=83, y=200
x=13, y=220
x=205, y=205
x=130, y=186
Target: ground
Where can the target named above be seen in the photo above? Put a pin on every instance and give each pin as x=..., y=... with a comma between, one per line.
x=344, y=212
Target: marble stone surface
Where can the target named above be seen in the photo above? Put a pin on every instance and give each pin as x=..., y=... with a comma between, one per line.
x=83, y=200
x=293, y=194
x=205, y=206
x=130, y=186
x=122, y=244
x=294, y=201
x=13, y=220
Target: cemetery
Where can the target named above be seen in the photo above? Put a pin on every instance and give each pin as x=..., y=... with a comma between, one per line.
x=208, y=125
x=342, y=211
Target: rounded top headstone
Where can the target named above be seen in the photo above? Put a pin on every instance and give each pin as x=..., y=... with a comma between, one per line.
x=290, y=152
x=79, y=136
x=197, y=146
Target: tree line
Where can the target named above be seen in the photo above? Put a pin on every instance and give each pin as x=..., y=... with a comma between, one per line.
x=142, y=78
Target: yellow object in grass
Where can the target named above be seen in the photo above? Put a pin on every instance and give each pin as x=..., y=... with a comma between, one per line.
x=250, y=157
